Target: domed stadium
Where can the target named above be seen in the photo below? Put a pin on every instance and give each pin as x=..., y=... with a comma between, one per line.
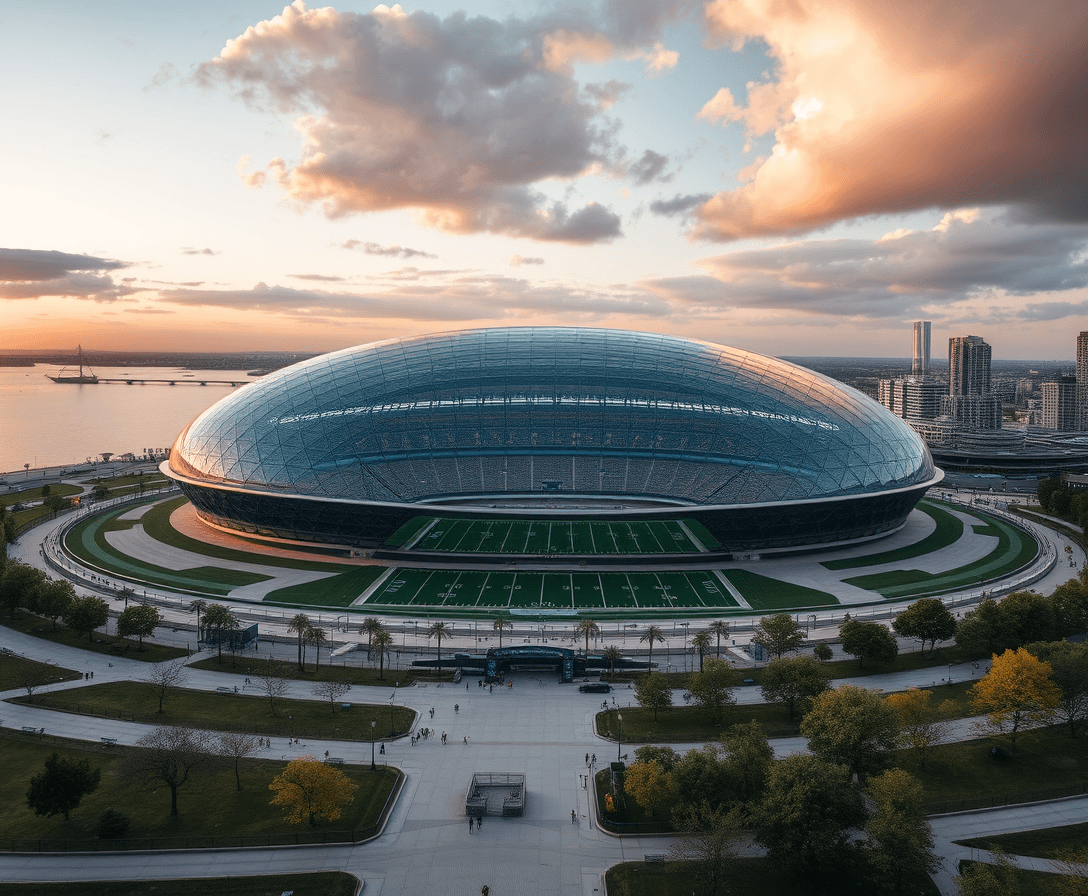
x=561, y=423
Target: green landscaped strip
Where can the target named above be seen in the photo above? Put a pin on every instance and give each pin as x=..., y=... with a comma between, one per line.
x=156, y=523
x=1015, y=550
x=406, y=532
x=35, y=494
x=1047, y=843
x=703, y=534
x=316, y=883
x=335, y=591
x=763, y=593
x=948, y=531
x=87, y=541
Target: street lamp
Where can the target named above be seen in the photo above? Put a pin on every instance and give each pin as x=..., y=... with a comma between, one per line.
x=619, y=736
x=373, y=725
x=950, y=673
x=391, y=699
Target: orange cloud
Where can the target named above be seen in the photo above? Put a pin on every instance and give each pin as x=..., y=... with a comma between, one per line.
x=880, y=108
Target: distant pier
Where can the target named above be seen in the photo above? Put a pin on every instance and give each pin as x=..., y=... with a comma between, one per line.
x=176, y=381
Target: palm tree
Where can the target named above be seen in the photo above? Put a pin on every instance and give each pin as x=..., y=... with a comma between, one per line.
x=316, y=636
x=382, y=641
x=300, y=624
x=499, y=624
x=720, y=628
x=371, y=626
x=221, y=619
x=701, y=642
x=438, y=630
x=588, y=627
x=612, y=653
x=651, y=636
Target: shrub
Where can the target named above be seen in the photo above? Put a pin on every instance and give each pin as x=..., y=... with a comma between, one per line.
x=111, y=823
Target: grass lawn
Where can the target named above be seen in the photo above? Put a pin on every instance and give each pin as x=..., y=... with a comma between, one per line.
x=15, y=671
x=321, y=883
x=963, y=775
x=685, y=724
x=748, y=876
x=949, y=529
x=335, y=591
x=209, y=804
x=1049, y=843
x=1035, y=883
x=35, y=494
x=763, y=593
x=139, y=701
x=361, y=675
x=99, y=643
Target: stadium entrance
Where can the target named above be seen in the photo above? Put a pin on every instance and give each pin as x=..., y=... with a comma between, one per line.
x=561, y=661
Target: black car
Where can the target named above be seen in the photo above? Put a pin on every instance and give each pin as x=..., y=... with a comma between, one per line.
x=596, y=687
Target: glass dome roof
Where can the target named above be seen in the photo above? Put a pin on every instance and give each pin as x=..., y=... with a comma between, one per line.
x=566, y=410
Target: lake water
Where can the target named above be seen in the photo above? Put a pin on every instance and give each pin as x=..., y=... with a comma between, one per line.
x=48, y=424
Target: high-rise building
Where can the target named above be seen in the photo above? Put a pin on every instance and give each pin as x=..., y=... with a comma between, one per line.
x=968, y=366
x=1082, y=381
x=920, y=358
x=1060, y=404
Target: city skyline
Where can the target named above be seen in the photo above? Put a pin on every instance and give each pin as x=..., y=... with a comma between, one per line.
x=304, y=179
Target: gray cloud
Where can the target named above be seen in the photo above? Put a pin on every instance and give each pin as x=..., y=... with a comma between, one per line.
x=35, y=273
x=457, y=118
x=516, y=261
x=678, y=205
x=190, y=251
x=325, y=278
x=392, y=251
x=651, y=167
x=897, y=275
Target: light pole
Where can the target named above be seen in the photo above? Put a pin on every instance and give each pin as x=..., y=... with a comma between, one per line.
x=619, y=736
x=950, y=673
x=373, y=725
x=391, y=699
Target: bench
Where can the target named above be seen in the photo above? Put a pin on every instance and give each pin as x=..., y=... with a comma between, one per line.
x=109, y=741
x=334, y=760
x=654, y=857
x=30, y=729
x=225, y=690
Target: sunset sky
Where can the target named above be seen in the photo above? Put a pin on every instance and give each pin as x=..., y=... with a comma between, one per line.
x=797, y=178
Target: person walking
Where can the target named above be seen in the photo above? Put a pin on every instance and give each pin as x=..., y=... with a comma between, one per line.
x=485, y=890
x=587, y=760
x=479, y=822
x=470, y=824
x=573, y=817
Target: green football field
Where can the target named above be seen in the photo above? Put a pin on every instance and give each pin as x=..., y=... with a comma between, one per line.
x=556, y=537
x=551, y=590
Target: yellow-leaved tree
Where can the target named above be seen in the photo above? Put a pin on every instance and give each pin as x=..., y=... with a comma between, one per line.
x=650, y=783
x=309, y=790
x=922, y=723
x=1016, y=694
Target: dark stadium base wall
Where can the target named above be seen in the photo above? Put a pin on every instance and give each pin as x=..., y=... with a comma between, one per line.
x=739, y=530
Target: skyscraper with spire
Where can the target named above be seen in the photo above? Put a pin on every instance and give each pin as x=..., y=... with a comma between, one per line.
x=920, y=361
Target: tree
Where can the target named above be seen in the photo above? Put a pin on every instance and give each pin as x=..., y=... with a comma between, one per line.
x=32, y=675
x=700, y=641
x=1016, y=694
x=1070, y=602
x=272, y=682
x=237, y=746
x=651, y=636
x=868, y=640
x=778, y=634
x=720, y=629
x=85, y=614
x=19, y=585
x=55, y=504
x=1026, y=616
x=138, y=621
x=170, y=755
x=300, y=624
x=900, y=839
x=712, y=688
x=749, y=756
x=709, y=842
x=61, y=786
x=922, y=724
x=1069, y=663
x=370, y=627
x=309, y=790
x=383, y=641
x=438, y=630
x=927, y=619
x=794, y=681
x=850, y=725
x=807, y=814
x=589, y=628
x=980, y=630
x=612, y=653
x=331, y=691
x=822, y=652
x=1002, y=878
x=500, y=623
x=168, y=675
x=54, y=598
x=652, y=691
x=650, y=784
x=100, y=492
x=219, y=619
x=316, y=635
